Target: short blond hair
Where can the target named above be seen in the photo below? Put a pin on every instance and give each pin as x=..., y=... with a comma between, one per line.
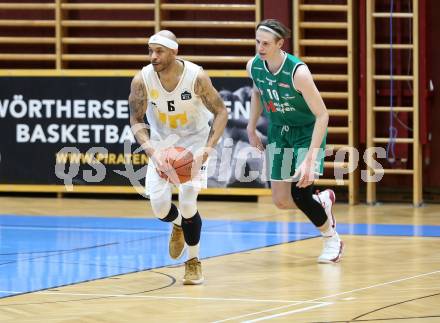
x=277, y=26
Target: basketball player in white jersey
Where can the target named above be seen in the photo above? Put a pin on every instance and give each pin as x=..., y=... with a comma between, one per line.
x=178, y=98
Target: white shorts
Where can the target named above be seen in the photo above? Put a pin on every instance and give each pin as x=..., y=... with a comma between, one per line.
x=154, y=182
x=193, y=143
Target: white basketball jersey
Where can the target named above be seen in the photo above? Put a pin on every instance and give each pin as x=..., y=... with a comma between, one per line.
x=180, y=112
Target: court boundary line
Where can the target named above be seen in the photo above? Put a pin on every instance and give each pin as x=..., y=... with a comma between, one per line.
x=329, y=296
x=31, y=228
x=320, y=304
x=55, y=293
x=214, y=232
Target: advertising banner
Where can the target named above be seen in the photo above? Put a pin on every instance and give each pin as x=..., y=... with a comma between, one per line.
x=75, y=130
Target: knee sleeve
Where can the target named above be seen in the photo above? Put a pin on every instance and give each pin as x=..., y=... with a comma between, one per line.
x=188, y=201
x=164, y=210
x=192, y=228
x=303, y=198
x=160, y=199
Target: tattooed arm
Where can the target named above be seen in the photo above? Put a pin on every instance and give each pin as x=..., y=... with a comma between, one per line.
x=137, y=102
x=214, y=103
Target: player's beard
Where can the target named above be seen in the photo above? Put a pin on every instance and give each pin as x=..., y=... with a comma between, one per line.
x=159, y=67
x=162, y=66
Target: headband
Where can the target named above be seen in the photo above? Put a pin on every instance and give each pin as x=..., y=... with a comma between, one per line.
x=271, y=31
x=161, y=40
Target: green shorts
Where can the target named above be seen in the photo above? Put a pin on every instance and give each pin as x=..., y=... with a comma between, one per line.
x=287, y=147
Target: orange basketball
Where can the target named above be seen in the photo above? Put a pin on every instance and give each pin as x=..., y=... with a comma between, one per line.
x=181, y=160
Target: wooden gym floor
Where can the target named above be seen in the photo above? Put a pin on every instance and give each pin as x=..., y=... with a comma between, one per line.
x=261, y=265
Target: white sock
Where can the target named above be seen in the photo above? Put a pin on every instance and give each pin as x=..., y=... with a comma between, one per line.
x=178, y=220
x=330, y=232
x=193, y=251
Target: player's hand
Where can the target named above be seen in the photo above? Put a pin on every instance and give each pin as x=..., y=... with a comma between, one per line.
x=200, y=159
x=161, y=165
x=255, y=140
x=306, y=173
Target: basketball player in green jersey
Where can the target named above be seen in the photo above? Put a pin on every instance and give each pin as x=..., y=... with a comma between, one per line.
x=298, y=119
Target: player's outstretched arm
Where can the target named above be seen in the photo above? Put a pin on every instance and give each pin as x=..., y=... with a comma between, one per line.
x=214, y=103
x=137, y=102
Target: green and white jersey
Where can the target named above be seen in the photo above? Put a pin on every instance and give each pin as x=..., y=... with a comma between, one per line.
x=282, y=102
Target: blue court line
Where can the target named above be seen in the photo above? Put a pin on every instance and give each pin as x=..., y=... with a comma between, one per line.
x=41, y=252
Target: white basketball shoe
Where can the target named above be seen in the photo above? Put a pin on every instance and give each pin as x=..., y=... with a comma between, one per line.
x=332, y=250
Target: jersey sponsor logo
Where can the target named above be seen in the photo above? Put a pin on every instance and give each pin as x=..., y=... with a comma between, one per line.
x=173, y=120
x=284, y=85
x=257, y=68
x=185, y=95
x=270, y=106
x=277, y=107
x=270, y=81
x=154, y=94
x=261, y=81
x=285, y=107
x=288, y=97
x=284, y=72
x=154, y=104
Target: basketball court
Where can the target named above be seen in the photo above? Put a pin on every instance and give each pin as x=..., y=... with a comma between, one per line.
x=71, y=260
x=77, y=256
